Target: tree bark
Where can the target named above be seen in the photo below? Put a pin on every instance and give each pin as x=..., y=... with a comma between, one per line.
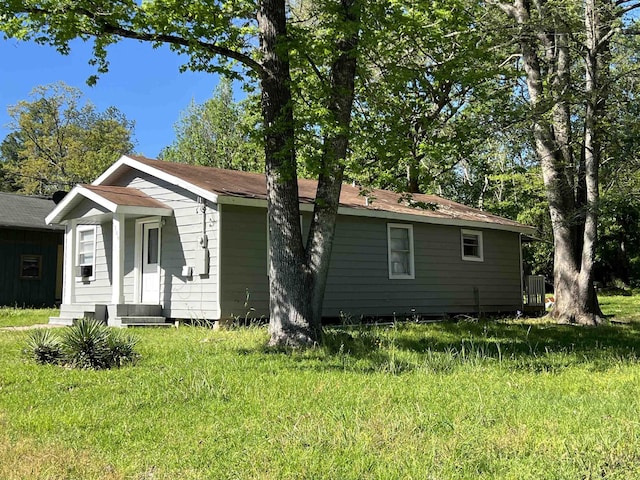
x=574, y=228
x=289, y=279
x=297, y=276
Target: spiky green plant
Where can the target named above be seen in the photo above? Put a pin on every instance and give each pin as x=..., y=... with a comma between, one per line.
x=121, y=348
x=43, y=346
x=85, y=345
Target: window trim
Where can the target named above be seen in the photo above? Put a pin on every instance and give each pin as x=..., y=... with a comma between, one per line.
x=38, y=258
x=472, y=258
x=412, y=268
x=82, y=228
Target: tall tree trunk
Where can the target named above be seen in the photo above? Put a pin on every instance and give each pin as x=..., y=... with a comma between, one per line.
x=574, y=228
x=289, y=279
x=297, y=277
x=336, y=143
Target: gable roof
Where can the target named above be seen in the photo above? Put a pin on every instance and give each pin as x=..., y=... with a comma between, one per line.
x=113, y=198
x=24, y=212
x=245, y=188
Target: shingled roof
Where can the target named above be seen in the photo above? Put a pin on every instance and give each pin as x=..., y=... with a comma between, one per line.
x=376, y=202
x=24, y=212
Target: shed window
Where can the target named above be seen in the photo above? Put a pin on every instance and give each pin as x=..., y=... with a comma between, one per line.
x=472, y=248
x=86, y=251
x=400, y=251
x=31, y=267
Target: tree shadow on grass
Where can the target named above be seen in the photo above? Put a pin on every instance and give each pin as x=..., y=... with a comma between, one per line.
x=528, y=345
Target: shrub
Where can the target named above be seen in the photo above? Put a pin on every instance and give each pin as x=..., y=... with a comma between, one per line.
x=43, y=346
x=122, y=348
x=87, y=344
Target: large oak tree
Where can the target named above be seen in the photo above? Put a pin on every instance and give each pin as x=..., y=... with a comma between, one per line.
x=243, y=37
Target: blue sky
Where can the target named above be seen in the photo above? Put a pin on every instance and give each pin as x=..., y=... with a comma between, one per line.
x=143, y=83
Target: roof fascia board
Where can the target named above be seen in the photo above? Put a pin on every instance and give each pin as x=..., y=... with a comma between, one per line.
x=56, y=213
x=154, y=172
x=147, y=211
x=393, y=216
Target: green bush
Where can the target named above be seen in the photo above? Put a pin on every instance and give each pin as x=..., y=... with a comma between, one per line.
x=43, y=346
x=87, y=344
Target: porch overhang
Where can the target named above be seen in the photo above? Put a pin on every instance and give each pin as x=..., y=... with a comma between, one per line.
x=107, y=200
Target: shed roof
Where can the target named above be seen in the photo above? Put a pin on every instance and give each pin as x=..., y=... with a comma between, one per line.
x=25, y=212
x=231, y=184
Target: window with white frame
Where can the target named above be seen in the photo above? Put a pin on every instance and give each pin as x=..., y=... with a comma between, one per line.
x=472, y=248
x=400, y=251
x=86, y=251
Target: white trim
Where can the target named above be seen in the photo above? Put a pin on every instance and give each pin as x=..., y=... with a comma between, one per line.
x=412, y=269
x=218, y=283
x=394, y=216
x=261, y=202
x=78, y=229
x=137, y=266
x=155, y=172
x=117, y=258
x=472, y=258
x=79, y=191
x=68, y=276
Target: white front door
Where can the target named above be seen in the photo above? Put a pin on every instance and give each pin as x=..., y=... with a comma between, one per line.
x=150, y=268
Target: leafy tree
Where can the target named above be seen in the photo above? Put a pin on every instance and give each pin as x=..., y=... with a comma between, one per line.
x=565, y=47
x=221, y=37
x=56, y=142
x=219, y=133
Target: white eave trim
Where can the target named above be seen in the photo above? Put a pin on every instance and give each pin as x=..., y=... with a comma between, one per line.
x=57, y=214
x=393, y=216
x=157, y=173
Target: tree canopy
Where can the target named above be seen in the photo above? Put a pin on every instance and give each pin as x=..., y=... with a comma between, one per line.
x=56, y=141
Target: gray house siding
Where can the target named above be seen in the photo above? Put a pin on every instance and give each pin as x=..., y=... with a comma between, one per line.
x=181, y=296
x=358, y=281
x=243, y=268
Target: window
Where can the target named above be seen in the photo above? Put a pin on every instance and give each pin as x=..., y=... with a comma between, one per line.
x=31, y=267
x=86, y=251
x=400, y=246
x=472, y=248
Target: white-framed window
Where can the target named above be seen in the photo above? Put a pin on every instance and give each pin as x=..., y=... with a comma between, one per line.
x=400, y=251
x=86, y=252
x=472, y=246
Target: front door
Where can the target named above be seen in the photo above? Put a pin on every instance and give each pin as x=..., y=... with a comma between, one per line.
x=150, y=268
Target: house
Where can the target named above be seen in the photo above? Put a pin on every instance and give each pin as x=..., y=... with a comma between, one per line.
x=151, y=240
x=30, y=252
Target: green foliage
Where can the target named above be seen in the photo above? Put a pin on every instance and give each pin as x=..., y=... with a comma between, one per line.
x=55, y=142
x=44, y=347
x=88, y=344
x=219, y=133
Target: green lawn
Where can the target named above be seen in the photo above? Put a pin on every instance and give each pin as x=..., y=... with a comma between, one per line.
x=476, y=400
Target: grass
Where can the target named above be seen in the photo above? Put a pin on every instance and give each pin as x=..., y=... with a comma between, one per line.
x=17, y=317
x=477, y=400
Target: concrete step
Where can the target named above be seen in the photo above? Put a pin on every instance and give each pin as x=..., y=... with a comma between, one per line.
x=144, y=321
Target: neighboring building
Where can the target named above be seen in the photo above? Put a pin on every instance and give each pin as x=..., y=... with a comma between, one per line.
x=30, y=252
x=150, y=240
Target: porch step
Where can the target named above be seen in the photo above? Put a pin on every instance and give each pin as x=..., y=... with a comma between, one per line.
x=144, y=321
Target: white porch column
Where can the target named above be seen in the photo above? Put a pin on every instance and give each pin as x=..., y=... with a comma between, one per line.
x=68, y=273
x=118, y=259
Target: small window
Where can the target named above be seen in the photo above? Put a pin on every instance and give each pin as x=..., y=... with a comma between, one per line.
x=31, y=267
x=472, y=248
x=86, y=249
x=400, y=251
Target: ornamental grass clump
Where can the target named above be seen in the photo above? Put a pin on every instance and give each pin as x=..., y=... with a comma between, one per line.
x=88, y=345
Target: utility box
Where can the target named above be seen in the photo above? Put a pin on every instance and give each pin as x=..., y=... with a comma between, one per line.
x=201, y=263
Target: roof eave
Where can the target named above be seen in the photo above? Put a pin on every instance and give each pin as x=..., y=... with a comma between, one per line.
x=156, y=172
